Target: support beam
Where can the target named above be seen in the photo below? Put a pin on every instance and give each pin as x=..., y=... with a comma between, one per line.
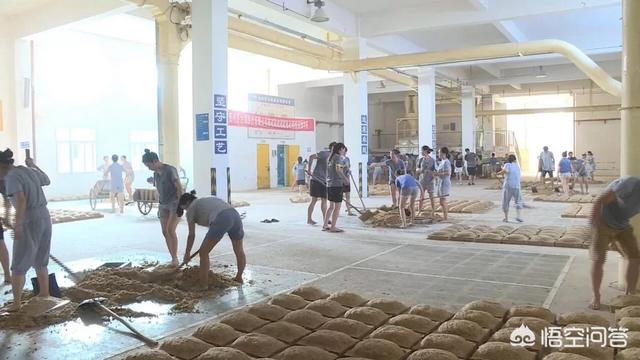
x=211, y=144
x=341, y=21
x=510, y=30
x=479, y=4
x=356, y=114
x=468, y=117
x=426, y=106
x=630, y=111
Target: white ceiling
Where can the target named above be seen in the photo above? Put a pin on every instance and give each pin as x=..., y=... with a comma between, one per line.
x=405, y=26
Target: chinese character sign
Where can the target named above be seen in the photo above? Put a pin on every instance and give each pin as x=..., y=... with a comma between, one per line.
x=220, y=101
x=220, y=146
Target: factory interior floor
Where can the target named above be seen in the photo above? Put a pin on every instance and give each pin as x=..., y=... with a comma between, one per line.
x=376, y=262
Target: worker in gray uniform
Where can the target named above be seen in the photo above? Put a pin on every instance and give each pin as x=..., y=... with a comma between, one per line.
x=32, y=228
x=221, y=218
x=167, y=181
x=426, y=168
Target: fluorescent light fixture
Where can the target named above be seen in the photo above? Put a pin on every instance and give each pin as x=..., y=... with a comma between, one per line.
x=541, y=74
x=318, y=15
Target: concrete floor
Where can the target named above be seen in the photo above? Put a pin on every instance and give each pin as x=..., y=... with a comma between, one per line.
x=392, y=263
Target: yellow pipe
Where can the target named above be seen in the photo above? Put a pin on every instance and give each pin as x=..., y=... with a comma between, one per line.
x=279, y=38
x=312, y=56
x=582, y=61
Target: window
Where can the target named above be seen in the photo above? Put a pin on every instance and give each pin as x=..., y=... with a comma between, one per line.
x=141, y=140
x=76, y=150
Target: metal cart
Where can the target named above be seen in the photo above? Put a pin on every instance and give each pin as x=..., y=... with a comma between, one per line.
x=99, y=191
x=145, y=199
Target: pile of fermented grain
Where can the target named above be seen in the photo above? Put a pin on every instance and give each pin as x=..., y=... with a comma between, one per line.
x=386, y=216
x=573, y=236
x=126, y=286
x=578, y=211
x=462, y=206
x=523, y=185
x=571, y=198
x=300, y=198
x=312, y=324
x=380, y=189
x=237, y=204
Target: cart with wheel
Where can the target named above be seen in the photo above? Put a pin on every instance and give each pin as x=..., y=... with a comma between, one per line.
x=99, y=191
x=145, y=199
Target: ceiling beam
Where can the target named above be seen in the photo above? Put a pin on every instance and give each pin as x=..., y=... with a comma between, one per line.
x=394, y=44
x=479, y=4
x=491, y=69
x=440, y=15
x=510, y=31
x=341, y=21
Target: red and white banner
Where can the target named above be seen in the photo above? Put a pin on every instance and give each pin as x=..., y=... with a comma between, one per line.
x=256, y=121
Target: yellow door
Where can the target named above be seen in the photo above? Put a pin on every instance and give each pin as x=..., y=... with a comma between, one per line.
x=264, y=178
x=293, y=153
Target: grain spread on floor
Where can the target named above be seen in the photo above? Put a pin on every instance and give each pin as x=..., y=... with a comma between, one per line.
x=383, y=329
x=574, y=236
x=58, y=216
x=578, y=211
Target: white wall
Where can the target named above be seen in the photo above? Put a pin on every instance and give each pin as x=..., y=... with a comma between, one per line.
x=320, y=103
x=590, y=134
x=244, y=162
x=92, y=82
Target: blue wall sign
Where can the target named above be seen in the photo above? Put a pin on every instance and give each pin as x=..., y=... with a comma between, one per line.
x=202, y=127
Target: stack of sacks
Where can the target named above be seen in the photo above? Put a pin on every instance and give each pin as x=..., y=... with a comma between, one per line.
x=627, y=310
x=574, y=236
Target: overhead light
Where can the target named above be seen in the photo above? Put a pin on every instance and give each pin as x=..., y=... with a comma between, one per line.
x=318, y=15
x=541, y=74
x=381, y=85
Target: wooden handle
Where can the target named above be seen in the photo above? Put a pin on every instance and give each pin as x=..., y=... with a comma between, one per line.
x=127, y=324
x=65, y=268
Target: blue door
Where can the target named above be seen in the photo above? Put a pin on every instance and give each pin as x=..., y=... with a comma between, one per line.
x=281, y=166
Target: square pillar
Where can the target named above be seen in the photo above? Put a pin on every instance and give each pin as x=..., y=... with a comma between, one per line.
x=356, y=116
x=211, y=169
x=489, y=123
x=426, y=107
x=468, y=118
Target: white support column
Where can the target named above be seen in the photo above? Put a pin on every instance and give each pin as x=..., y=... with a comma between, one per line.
x=630, y=111
x=356, y=116
x=23, y=100
x=211, y=141
x=426, y=107
x=168, y=48
x=468, y=117
x=489, y=123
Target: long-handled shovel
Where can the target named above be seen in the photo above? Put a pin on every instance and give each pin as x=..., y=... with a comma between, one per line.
x=96, y=304
x=358, y=190
x=346, y=202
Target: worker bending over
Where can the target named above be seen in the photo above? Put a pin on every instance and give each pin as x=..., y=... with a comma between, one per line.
x=619, y=202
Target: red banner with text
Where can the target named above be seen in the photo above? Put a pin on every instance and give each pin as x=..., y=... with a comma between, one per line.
x=256, y=121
